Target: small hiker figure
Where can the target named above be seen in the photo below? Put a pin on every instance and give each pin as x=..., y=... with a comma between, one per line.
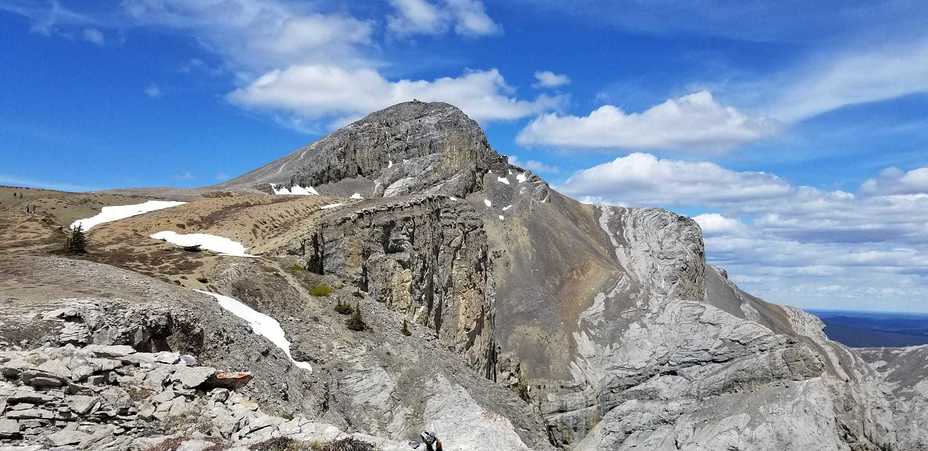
x=429, y=442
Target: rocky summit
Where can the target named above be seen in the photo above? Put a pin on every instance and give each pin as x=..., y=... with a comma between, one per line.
x=400, y=276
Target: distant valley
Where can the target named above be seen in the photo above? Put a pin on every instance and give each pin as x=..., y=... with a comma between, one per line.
x=873, y=329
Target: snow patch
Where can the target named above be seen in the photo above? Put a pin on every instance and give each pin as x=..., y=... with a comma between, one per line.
x=453, y=198
x=356, y=196
x=295, y=190
x=507, y=207
x=260, y=323
x=326, y=207
x=501, y=218
x=117, y=212
x=213, y=243
x=503, y=180
x=390, y=164
x=521, y=177
x=487, y=203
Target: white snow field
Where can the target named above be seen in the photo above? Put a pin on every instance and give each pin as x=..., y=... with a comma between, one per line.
x=326, y=207
x=503, y=180
x=209, y=242
x=117, y=212
x=295, y=190
x=260, y=323
x=521, y=177
x=356, y=196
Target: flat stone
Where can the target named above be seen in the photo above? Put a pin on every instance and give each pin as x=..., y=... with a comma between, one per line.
x=117, y=398
x=230, y=379
x=26, y=414
x=28, y=395
x=115, y=351
x=66, y=437
x=192, y=377
x=56, y=367
x=9, y=428
x=166, y=357
x=82, y=405
x=195, y=445
x=39, y=378
x=188, y=360
x=164, y=396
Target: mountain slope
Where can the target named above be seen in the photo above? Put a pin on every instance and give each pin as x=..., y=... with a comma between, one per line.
x=535, y=321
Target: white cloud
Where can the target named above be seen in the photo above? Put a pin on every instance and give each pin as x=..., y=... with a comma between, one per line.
x=415, y=17
x=468, y=18
x=533, y=165
x=852, y=77
x=153, y=91
x=548, y=79
x=644, y=180
x=716, y=224
x=471, y=18
x=93, y=36
x=896, y=181
x=773, y=236
x=319, y=92
x=260, y=35
x=695, y=122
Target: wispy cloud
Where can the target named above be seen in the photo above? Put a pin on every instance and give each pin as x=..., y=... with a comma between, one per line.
x=94, y=36
x=153, y=91
x=548, y=79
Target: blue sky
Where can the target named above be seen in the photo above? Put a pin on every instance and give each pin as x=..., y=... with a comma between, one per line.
x=795, y=132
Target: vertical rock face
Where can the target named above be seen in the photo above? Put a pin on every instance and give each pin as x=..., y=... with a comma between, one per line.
x=425, y=257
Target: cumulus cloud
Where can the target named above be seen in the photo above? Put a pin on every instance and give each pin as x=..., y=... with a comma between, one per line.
x=466, y=17
x=896, y=181
x=533, y=165
x=642, y=179
x=93, y=36
x=548, y=79
x=317, y=92
x=716, y=224
x=695, y=122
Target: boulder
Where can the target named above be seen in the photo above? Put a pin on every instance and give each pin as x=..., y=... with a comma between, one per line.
x=231, y=380
x=39, y=378
x=192, y=377
x=82, y=405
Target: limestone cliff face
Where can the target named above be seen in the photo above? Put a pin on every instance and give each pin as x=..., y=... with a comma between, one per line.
x=425, y=257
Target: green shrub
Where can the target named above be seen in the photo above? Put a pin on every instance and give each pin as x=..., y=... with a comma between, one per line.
x=320, y=290
x=356, y=323
x=342, y=308
x=297, y=268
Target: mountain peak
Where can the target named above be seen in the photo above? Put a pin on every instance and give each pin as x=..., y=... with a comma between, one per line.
x=410, y=147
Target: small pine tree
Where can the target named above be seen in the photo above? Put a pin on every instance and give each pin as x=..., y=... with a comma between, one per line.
x=356, y=323
x=405, y=330
x=342, y=308
x=77, y=242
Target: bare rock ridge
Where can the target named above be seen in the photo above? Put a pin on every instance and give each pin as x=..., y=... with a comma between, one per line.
x=499, y=313
x=413, y=147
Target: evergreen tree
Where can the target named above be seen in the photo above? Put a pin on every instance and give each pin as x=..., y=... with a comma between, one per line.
x=356, y=323
x=405, y=331
x=77, y=242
